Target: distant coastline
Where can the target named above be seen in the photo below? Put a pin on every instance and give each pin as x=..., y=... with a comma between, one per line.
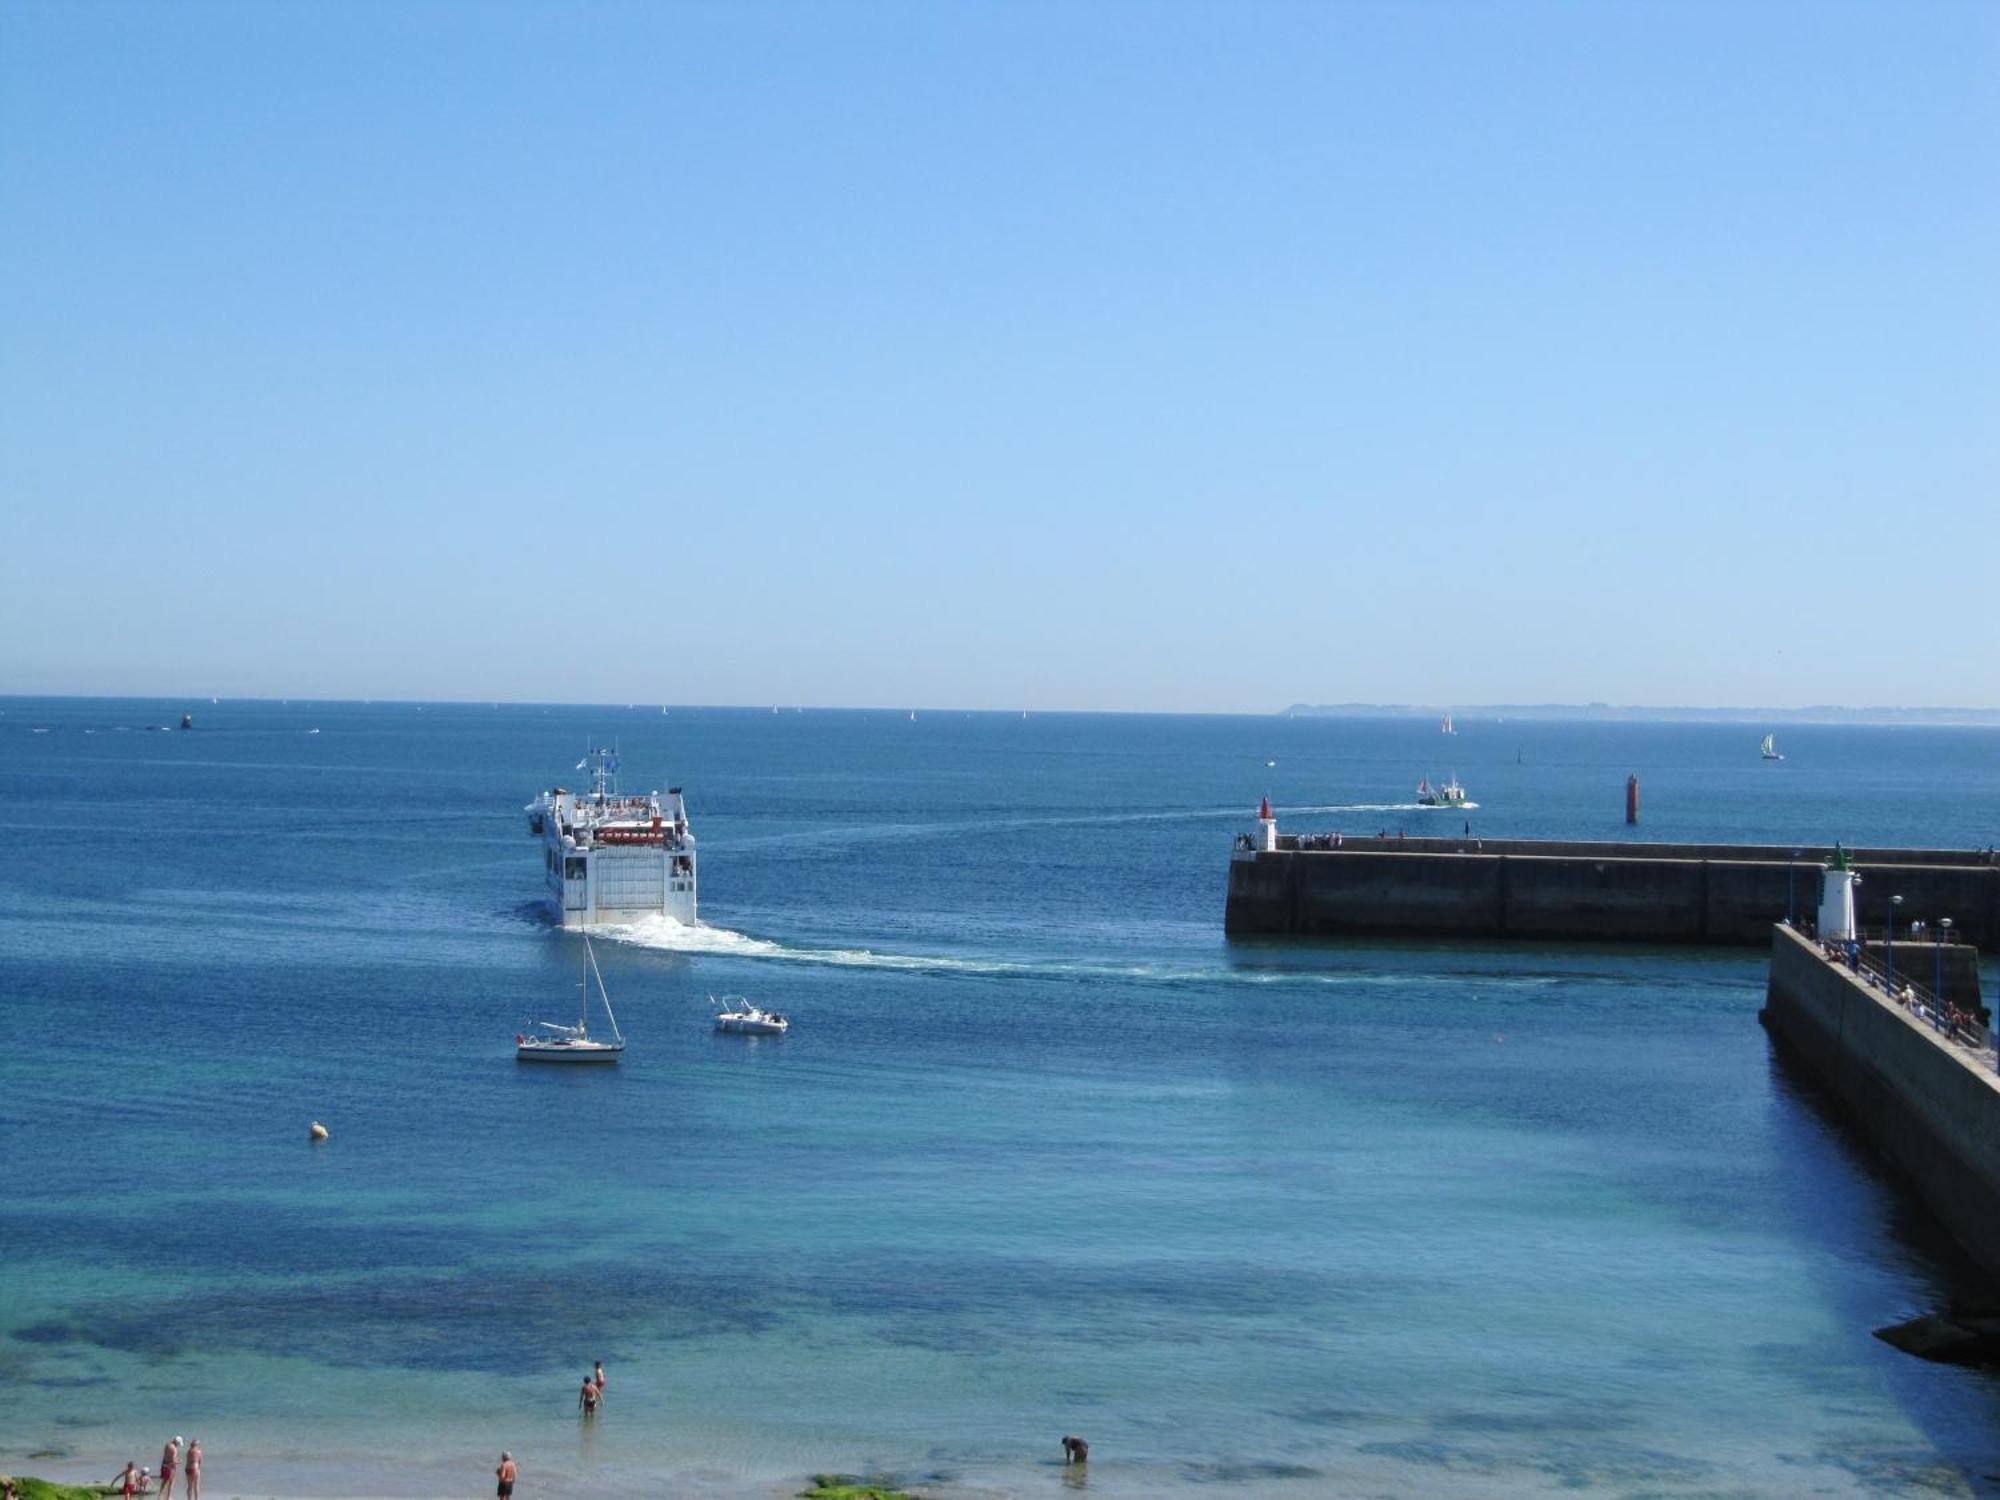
x=1819, y=713
x=199, y=704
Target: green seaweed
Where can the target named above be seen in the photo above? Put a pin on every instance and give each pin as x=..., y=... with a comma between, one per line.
x=41, y=1489
x=850, y=1487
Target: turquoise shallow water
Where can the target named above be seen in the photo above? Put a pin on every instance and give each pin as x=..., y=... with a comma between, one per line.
x=1043, y=1153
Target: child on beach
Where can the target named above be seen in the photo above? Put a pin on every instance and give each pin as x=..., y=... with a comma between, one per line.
x=127, y=1484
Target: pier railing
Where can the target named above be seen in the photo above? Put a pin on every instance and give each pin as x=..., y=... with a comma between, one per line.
x=1956, y=1025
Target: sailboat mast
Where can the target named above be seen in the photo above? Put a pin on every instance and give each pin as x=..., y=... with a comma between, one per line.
x=610, y=1015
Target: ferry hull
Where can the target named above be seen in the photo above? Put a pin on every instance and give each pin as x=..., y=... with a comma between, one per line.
x=604, y=885
x=581, y=918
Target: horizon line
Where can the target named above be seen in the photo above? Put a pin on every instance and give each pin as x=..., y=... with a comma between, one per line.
x=1594, y=709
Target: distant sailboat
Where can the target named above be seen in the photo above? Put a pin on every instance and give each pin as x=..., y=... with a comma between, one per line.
x=913, y=716
x=1771, y=748
x=1445, y=727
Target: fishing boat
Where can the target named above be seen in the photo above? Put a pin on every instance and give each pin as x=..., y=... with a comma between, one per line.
x=740, y=1016
x=1771, y=748
x=1451, y=794
x=575, y=1044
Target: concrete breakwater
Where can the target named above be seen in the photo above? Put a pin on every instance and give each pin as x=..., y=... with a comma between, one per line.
x=1631, y=892
x=1929, y=1103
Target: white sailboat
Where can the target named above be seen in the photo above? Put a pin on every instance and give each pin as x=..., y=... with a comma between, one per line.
x=1445, y=727
x=1771, y=748
x=575, y=1044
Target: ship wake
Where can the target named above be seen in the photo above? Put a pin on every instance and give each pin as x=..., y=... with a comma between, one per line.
x=669, y=936
x=664, y=934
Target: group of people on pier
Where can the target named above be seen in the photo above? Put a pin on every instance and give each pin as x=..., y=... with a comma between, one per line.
x=1933, y=1010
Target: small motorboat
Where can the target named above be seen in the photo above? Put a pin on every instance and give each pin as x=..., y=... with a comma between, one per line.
x=740, y=1016
x=574, y=1044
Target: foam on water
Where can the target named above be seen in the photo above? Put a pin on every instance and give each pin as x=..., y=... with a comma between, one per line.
x=664, y=934
x=898, y=831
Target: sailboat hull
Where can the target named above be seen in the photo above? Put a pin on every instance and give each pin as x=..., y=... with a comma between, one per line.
x=568, y=1052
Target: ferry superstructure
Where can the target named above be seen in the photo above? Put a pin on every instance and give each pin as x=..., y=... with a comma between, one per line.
x=609, y=858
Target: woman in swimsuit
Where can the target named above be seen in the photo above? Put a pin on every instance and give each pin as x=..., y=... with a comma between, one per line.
x=598, y=1376
x=192, y=1468
x=588, y=1399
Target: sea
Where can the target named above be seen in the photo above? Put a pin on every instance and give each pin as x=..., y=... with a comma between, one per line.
x=1043, y=1153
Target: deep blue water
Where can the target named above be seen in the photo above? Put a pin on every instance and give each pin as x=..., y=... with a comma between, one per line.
x=1043, y=1153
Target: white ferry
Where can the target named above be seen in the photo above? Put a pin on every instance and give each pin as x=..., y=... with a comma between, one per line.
x=609, y=858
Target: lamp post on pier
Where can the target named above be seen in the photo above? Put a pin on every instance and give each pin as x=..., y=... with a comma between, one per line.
x=1889, y=948
x=1937, y=986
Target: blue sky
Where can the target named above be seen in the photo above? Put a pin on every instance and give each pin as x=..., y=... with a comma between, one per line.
x=1206, y=357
